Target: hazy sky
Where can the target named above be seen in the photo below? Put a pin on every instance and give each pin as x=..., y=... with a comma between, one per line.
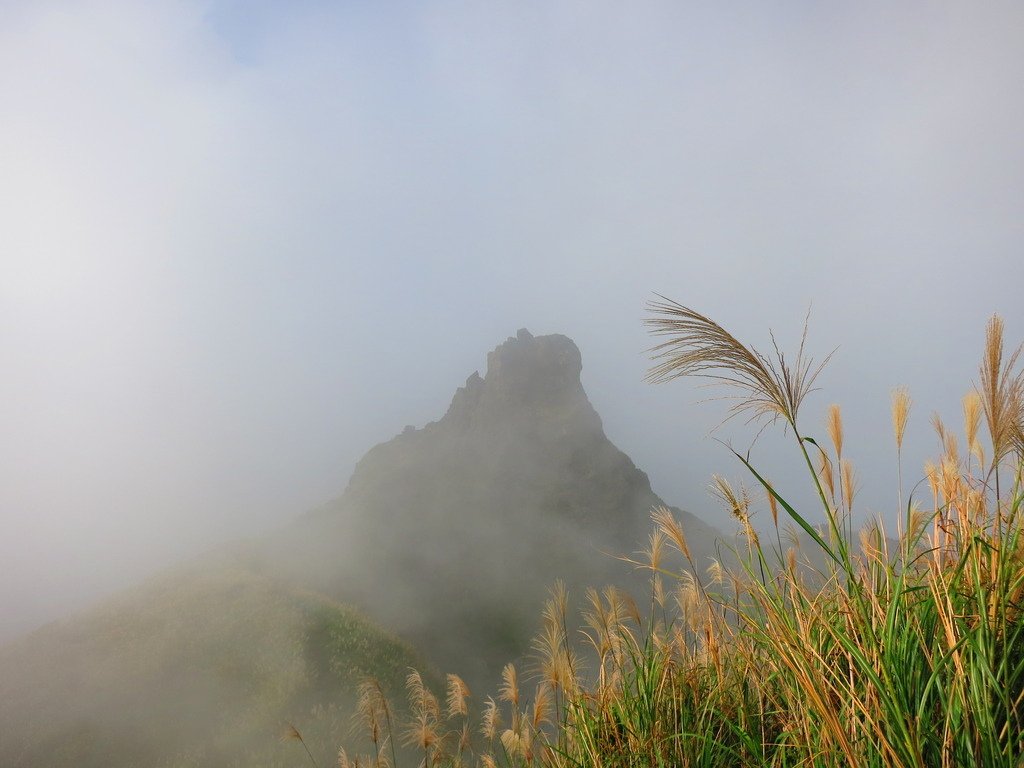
x=241, y=242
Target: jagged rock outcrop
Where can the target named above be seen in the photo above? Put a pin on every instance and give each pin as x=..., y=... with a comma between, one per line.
x=528, y=430
x=451, y=534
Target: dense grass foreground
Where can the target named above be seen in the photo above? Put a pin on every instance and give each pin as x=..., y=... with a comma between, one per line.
x=879, y=651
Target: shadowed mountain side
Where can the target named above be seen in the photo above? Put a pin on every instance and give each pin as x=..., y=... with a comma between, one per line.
x=454, y=532
x=201, y=666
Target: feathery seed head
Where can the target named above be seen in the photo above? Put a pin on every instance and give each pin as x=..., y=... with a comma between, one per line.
x=835, y=429
x=915, y=521
x=670, y=527
x=900, y=414
x=737, y=504
x=549, y=646
x=421, y=733
x=541, y=706
x=627, y=606
x=372, y=708
x=946, y=438
x=458, y=692
x=491, y=720
x=952, y=448
x=827, y=476
x=654, y=549
x=698, y=346
x=849, y=487
x=615, y=602
x=514, y=743
x=972, y=417
x=424, y=706
x=1001, y=391
x=659, y=590
x=978, y=451
x=1017, y=434
x=415, y=687
x=509, y=690
x=931, y=472
x=559, y=600
x=688, y=597
x=773, y=507
x=950, y=482
x=722, y=490
x=422, y=730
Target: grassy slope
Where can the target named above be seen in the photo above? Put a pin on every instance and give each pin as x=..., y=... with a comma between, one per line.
x=200, y=666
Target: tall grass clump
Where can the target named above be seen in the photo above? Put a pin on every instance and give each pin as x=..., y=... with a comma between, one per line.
x=809, y=644
x=855, y=650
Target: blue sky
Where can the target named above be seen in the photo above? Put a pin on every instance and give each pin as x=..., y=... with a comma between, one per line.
x=242, y=242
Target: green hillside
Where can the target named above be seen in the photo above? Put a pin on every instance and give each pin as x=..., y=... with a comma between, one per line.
x=202, y=666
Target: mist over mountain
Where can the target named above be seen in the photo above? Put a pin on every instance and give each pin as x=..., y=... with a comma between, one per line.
x=446, y=539
x=454, y=532
x=202, y=665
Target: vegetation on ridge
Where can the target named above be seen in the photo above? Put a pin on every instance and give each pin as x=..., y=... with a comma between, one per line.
x=193, y=668
x=906, y=651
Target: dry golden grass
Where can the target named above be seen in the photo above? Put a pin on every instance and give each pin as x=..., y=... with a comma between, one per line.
x=905, y=652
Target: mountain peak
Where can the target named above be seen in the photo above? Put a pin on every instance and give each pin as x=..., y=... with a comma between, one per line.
x=525, y=373
x=535, y=368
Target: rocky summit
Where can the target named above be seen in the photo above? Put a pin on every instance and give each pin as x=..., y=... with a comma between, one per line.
x=452, y=534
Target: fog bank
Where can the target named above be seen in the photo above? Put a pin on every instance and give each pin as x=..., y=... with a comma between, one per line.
x=240, y=243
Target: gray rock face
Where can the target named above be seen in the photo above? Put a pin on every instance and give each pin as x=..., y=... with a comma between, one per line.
x=526, y=376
